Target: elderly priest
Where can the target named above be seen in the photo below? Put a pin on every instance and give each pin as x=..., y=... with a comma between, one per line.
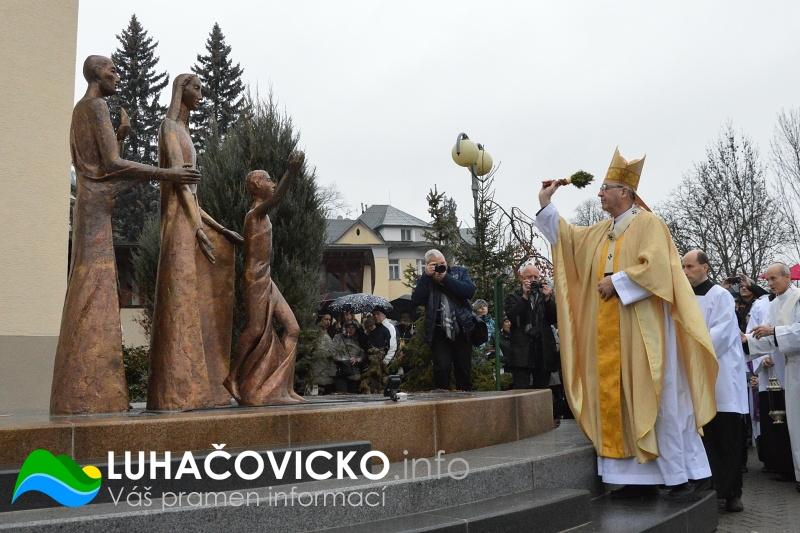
x=781, y=335
x=637, y=362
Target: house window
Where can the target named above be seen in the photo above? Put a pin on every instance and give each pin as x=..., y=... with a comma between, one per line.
x=420, y=267
x=405, y=234
x=394, y=269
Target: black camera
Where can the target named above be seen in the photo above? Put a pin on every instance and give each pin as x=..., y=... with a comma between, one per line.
x=734, y=279
x=392, y=387
x=441, y=269
x=536, y=285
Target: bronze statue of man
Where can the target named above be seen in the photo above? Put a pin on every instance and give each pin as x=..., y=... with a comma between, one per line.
x=89, y=376
x=263, y=369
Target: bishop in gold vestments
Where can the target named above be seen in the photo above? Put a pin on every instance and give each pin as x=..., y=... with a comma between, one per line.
x=638, y=365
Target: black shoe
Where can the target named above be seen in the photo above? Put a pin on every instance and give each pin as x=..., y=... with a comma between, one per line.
x=682, y=493
x=634, y=491
x=701, y=485
x=734, y=505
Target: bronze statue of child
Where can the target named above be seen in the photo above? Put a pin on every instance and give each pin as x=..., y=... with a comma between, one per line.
x=262, y=371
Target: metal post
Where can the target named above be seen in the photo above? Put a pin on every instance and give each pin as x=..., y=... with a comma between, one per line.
x=498, y=319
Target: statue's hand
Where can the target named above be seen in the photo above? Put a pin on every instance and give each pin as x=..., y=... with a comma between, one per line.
x=183, y=176
x=232, y=236
x=124, y=125
x=296, y=162
x=205, y=245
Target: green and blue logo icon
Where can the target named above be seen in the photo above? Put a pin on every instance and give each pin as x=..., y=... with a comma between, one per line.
x=60, y=477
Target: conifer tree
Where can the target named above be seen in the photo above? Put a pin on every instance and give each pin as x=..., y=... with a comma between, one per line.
x=488, y=257
x=444, y=232
x=138, y=92
x=223, y=91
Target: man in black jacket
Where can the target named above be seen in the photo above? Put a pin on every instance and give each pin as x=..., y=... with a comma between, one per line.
x=445, y=291
x=532, y=311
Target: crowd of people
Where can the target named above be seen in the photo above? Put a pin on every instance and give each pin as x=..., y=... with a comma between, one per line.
x=359, y=353
x=458, y=332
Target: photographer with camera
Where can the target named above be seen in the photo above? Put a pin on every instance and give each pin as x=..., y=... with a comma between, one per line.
x=532, y=311
x=445, y=293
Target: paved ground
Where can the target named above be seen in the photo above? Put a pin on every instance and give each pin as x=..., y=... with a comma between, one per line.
x=769, y=505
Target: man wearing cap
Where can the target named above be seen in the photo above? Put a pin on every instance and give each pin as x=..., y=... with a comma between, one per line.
x=637, y=361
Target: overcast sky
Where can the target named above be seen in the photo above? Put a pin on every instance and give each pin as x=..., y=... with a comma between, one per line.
x=380, y=90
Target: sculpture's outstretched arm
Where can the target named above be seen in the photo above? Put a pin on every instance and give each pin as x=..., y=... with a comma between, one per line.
x=296, y=160
x=231, y=235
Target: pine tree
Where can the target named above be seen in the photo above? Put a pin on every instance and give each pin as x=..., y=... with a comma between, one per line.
x=488, y=257
x=444, y=232
x=263, y=139
x=138, y=92
x=223, y=91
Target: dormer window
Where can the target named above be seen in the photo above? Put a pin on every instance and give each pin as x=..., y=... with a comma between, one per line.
x=405, y=234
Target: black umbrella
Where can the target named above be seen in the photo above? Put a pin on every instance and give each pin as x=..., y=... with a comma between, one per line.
x=359, y=303
x=403, y=305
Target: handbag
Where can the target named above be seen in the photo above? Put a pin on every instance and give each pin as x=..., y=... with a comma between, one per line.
x=479, y=333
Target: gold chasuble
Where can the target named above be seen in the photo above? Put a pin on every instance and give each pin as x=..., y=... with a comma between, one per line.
x=612, y=356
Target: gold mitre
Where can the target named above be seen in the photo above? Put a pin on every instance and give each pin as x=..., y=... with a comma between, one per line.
x=625, y=172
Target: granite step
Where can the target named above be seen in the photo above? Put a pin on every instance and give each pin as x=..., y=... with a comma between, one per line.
x=542, y=483
x=657, y=515
x=541, y=510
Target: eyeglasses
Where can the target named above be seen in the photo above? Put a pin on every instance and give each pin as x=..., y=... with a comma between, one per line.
x=604, y=187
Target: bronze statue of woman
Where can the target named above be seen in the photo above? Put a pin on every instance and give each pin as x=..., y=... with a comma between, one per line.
x=182, y=369
x=263, y=369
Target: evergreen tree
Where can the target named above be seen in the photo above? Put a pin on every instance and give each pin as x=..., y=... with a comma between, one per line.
x=223, y=91
x=444, y=232
x=138, y=92
x=488, y=257
x=262, y=140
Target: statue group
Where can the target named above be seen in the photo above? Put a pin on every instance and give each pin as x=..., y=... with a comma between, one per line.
x=190, y=363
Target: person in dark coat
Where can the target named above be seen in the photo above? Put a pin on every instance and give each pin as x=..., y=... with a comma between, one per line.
x=532, y=311
x=376, y=334
x=445, y=292
x=505, y=341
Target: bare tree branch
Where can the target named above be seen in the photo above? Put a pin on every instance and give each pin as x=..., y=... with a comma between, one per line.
x=724, y=207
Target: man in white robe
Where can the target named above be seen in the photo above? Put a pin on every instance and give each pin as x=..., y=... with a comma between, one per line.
x=723, y=437
x=773, y=439
x=780, y=336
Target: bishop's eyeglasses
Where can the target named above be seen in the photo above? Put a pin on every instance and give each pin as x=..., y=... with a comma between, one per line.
x=604, y=187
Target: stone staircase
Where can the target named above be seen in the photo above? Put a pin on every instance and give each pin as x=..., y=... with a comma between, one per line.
x=543, y=483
